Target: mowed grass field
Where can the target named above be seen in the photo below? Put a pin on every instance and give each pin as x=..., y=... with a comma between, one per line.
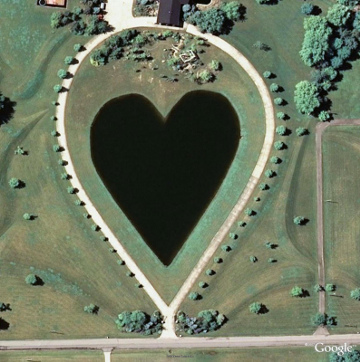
x=88, y=95
x=221, y=355
x=59, y=245
x=341, y=157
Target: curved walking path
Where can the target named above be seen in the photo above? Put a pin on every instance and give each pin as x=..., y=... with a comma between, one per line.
x=120, y=17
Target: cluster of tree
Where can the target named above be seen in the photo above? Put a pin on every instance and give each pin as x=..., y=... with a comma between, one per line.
x=322, y=319
x=86, y=20
x=113, y=47
x=206, y=321
x=353, y=356
x=139, y=322
x=218, y=20
x=329, y=42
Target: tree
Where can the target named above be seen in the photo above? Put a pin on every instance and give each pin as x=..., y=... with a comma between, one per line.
x=211, y=21
x=281, y=115
x=28, y=216
x=275, y=160
x=205, y=76
x=69, y=60
x=226, y=248
x=279, y=101
x=250, y=212
x=270, y=245
x=301, y=131
x=330, y=287
x=318, y=288
x=54, y=133
x=281, y=130
x=299, y=220
x=203, y=285
x=56, y=148
x=306, y=97
x=355, y=294
x=62, y=73
x=94, y=227
x=324, y=116
x=20, y=151
x=319, y=319
x=338, y=15
x=297, y=292
x=215, y=65
x=270, y=173
x=55, y=20
x=271, y=260
x=316, y=40
x=267, y=74
x=274, y=87
x=257, y=308
x=129, y=274
x=194, y=296
x=218, y=260
x=71, y=190
x=253, y=259
x=65, y=176
x=210, y=272
x=91, y=308
x=263, y=186
x=233, y=10
x=266, y=2
x=279, y=145
x=57, y=88
x=78, y=47
x=32, y=279
x=15, y=183
x=233, y=236
x=53, y=118
x=307, y=8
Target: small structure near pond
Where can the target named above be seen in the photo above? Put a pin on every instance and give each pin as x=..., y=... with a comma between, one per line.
x=52, y=3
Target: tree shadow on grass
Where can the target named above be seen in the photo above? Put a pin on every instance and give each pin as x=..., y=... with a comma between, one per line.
x=7, y=110
x=4, y=325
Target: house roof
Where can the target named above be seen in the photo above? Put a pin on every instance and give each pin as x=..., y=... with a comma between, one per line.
x=170, y=12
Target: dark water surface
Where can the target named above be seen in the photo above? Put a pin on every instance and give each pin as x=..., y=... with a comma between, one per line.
x=164, y=173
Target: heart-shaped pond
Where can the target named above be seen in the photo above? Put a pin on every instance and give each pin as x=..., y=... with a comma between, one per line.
x=163, y=173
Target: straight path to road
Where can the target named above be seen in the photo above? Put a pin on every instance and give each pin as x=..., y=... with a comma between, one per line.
x=120, y=17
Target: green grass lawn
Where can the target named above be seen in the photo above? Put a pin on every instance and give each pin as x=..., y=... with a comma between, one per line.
x=59, y=245
x=87, y=96
x=341, y=156
x=222, y=355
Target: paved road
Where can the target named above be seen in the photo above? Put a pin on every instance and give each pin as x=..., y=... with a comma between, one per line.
x=120, y=17
x=320, y=128
x=196, y=342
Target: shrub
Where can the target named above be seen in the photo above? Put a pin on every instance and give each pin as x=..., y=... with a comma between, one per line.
x=32, y=279
x=28, y=216
x=299, y=220
x=14, y=183
x=355, y=294
x=253, y=259
x=307, y=9
x=91, y=308
x=57, y=88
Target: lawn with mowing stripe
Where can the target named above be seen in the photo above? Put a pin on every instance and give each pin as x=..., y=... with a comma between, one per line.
x=59, y=246
x=341, y=157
